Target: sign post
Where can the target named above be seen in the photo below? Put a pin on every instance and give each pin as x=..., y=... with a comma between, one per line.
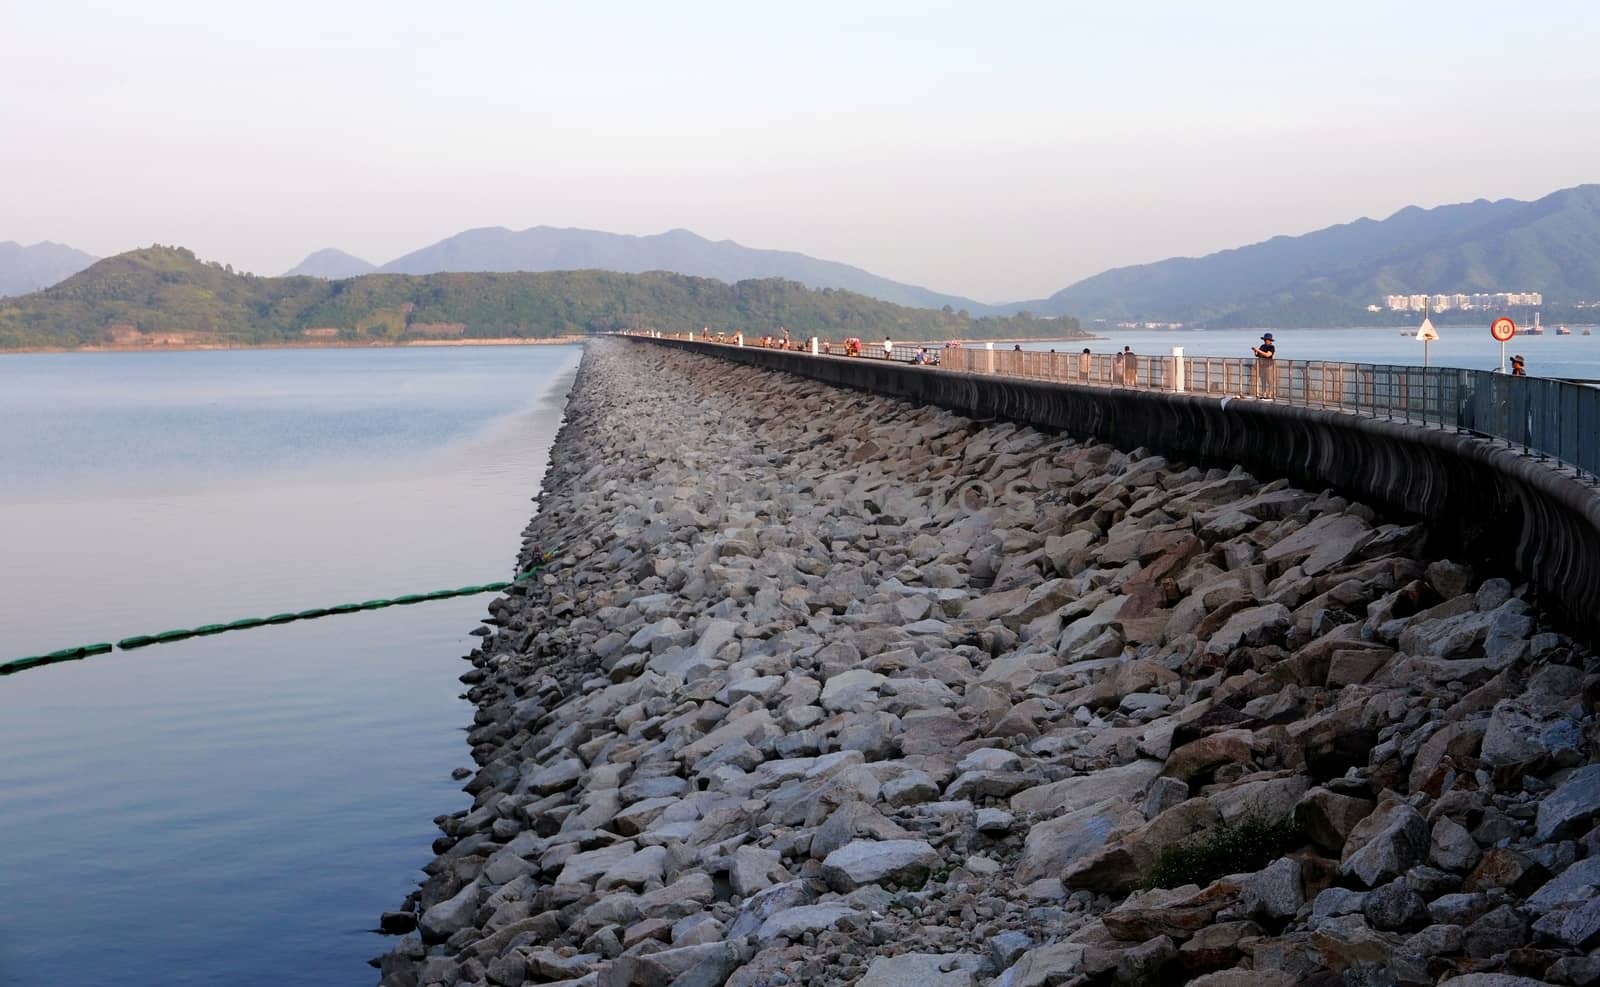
x=1427, y=333
x=1503, y=329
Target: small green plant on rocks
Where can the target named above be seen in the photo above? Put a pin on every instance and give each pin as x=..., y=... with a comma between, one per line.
x=1242, y=846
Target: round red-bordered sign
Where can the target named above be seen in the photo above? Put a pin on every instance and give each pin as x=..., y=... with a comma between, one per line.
x=1503, y=330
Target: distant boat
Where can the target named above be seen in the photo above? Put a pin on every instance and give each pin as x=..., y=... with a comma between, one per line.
x=1588, y=332
x=1563, y=331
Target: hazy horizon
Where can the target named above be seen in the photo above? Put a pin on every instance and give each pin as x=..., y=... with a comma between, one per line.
x=999, y=155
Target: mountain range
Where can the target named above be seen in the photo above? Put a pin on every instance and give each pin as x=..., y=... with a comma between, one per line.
x=165, y=296
x=1327, y=277
x=549, y=248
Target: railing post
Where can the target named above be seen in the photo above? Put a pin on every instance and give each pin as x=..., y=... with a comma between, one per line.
x=989, y=356
x=815, y=348
x=1177, y=369
x=738, y=339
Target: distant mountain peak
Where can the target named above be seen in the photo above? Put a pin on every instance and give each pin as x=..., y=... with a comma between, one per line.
x=25, y=268
x=332, y=264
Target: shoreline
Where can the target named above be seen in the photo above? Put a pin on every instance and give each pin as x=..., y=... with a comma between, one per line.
x=213, y=347
x=865, y=688
x=421, y=343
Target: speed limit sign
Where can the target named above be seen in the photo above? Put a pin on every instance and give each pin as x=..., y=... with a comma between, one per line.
x=1503, y=330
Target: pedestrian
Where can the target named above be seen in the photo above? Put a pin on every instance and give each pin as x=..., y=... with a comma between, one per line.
x=1085, y=363
x=1116, y=368
x=922, y=355
x=1519, y=367
x=1130, y=367
x=1266, y=368
x=888, y=348
x=1017, y=348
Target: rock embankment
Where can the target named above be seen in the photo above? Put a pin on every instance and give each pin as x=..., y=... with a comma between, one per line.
x=823, y=688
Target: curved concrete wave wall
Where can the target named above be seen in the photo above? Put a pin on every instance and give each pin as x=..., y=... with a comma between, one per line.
x=1484, y=501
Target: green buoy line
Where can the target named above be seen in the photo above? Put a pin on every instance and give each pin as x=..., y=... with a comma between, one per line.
x=206, y=630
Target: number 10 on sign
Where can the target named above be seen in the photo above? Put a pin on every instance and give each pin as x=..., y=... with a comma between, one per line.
x=1502, y=330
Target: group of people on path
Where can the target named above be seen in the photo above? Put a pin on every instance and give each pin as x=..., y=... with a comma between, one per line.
x=1124, y=364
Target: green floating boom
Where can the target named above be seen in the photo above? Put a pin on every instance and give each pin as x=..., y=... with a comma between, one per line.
x=64, y=654
x=205, y=630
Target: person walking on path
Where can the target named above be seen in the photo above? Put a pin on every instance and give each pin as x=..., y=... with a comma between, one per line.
x=1130, y=367
x=888, y=349
x=1266, y=368
x=1085, y=364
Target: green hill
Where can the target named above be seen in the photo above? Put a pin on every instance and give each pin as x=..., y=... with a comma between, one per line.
x=1328, y=277
x=167, y=295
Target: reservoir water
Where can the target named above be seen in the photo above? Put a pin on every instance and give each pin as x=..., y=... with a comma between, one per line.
x=239, y=809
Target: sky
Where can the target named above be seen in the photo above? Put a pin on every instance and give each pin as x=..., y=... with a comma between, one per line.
x=999, y=151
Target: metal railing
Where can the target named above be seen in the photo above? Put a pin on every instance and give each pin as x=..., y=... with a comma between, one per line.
x=1541, y=417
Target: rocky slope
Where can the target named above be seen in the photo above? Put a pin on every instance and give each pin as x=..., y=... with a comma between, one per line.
x=823, y=688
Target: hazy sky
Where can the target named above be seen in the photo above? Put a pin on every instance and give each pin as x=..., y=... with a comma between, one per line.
x=997, y=150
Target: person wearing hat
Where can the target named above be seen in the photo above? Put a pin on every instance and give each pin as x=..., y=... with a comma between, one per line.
x=1519, y=367
x=1266, y=369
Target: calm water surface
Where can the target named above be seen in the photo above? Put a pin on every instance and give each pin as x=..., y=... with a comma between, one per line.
x=239, y=809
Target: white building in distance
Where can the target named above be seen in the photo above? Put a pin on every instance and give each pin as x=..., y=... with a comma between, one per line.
x=1486, y=301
